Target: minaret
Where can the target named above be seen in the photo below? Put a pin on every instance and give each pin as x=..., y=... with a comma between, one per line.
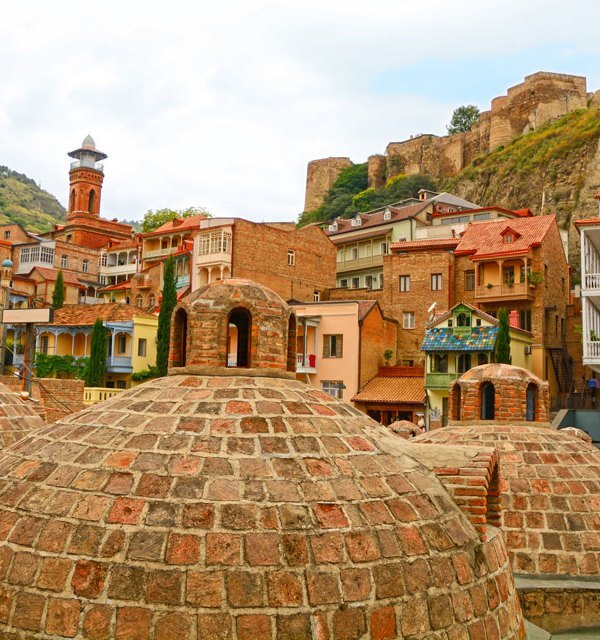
x=85, y=178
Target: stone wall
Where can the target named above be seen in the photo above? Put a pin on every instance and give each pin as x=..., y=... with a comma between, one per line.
x=320, y=176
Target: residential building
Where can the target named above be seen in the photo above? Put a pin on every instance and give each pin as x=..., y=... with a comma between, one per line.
x=119, y=261
x=131, y=342
x=299, y=264
x=364, y=240
x=169, y=238
x=341, y=345
x=456, y=341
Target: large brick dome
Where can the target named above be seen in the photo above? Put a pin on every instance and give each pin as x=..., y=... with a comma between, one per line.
x=228, y=505
x=17, y=417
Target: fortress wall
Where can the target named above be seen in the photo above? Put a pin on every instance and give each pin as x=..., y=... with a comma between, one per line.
x=320, y=176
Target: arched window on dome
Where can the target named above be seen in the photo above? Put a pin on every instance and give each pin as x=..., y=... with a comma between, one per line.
x=92, y=201
x=179, y=346
x=530, y=402
x=72, y=200
x=456, y=401
x=238, y=338
x=291, y=344
x=488, y=401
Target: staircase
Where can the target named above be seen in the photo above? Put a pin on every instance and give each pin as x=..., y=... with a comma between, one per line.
x=561, y=361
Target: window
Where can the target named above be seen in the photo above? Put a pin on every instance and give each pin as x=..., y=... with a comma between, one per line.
x=316, y=296
x=436, y=281
x=381, y=280
x=562, y=285
x=69, y=237
x=508, y=276
x=139, y=301
x=333, y=346
x=121, y=343
x=43, y=346
x=404, y=283
x=464, y=362
x=344, y=283
x=291, y=257
x=85, y=265
x=408, y=320
x=525, y=319
x=470, y=280
x=91, y=201
x=387, y=214
x=121, y=384
x=439, y=363
x=354, y=253
x=340, y=255
x=356, y=282
x=463, y=320
x=151, y=300
x=369, y=282
x=7, y=235
x=142, y=347
x=64, y=261
x=333, y=387
x=103, y=260
x=384, y=248
x=508, y=238
x=482, y=358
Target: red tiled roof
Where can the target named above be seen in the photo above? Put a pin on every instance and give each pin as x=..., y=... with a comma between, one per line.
x=487, y=238
x=50, y=274
x=393, y=390
x=179, y=224
x=588, y=222
x=376, y=219
x=434, y=243
x=119, y=286
x=87, y=314
x=520, y=213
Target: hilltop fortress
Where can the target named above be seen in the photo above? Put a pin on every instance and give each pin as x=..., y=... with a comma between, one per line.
x=540, y=97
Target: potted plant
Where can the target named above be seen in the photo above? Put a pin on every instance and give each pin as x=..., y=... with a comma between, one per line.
x=387, y=356
x=534, y=277
x=489, y=285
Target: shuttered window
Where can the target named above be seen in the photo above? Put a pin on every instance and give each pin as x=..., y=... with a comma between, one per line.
x=333, y=346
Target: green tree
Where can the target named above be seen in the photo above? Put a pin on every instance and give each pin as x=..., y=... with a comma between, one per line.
x=97, y=365
x=154, y=219
x=463, y=118
x=169, y=300
x=58, y=295
x=503, y=338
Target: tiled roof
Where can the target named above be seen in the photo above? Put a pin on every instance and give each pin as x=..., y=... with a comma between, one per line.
x=448, y=314
x=86, y=314
x=370, y=220
x=520, y=213
x=179, y=224
x=588, y=222
x=487, y=238
x=416, y=245
x=364, y=307
x=393, y=391
x=444, y=339
x=50, y=274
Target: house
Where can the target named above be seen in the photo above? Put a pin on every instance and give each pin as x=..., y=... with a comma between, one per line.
x=341, y=345
x=456, y=341
x=131, y=343
x=299, y=264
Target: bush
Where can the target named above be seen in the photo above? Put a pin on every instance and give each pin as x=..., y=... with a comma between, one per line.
x=64, y=367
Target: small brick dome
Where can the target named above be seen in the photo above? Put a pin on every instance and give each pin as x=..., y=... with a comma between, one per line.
x=237, y=507
x=18, y=417
x=499, y=392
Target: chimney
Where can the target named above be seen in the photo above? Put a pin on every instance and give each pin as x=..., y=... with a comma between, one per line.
x=513, y=319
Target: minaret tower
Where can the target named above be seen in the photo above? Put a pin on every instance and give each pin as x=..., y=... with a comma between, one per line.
x=85, y=179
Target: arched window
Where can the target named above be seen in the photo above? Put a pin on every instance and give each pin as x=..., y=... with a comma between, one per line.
x=440, y=363
x=85, y=265
x=464, y=362
x=530, y=398
x=238, y=338
x=179, y=348
x=482, y=358
x=488, y=401
x=72, y=200
x=463, y=320
x=151, y=300
x=291, y=344
x=457, y=400
x=92, y=201
x=139, y=301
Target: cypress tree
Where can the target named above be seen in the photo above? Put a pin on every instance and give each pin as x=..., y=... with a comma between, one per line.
x=97, y=366
x=58, y=295
x=169, y=300
x=503, y=339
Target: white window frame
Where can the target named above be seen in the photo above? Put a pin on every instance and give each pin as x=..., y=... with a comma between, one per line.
x=408, y=319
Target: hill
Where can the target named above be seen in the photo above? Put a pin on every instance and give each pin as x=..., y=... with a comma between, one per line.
x=24, y=202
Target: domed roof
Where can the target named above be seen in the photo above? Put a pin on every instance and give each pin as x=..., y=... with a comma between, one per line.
x=18, y=417
x=7, y=263
x=499, y=370
x=550, y=494
x=88, y=142
x=237, y=505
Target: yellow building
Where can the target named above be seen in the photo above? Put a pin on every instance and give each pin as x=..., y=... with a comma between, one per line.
x=460, y=339
x=131, y=340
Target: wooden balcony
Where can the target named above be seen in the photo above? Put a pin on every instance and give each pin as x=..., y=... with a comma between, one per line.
x=499, y=292
x=440, y=380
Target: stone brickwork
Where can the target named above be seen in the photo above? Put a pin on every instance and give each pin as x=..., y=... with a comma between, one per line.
x=510, y=395
x=560, y=609
x=235, y=505
x=320, y=176
x=18, y=417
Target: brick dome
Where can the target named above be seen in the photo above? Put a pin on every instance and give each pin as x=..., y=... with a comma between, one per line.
x=237, y=505
x=18, y=417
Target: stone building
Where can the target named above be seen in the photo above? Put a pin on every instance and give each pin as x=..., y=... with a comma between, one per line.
x=238, y=503
x=549, y=487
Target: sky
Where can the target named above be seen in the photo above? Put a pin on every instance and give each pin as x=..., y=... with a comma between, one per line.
x=222, y=105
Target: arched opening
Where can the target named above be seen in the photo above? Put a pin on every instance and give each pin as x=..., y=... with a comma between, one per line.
x=92, y=201
x=482, y=358
x=464, y=362
x=463, y=320
x=72, y=200
x=488, y=401
x=530, y=398
x=457, y=401
x=179, y=346
x=238, y=338
x=291, y=344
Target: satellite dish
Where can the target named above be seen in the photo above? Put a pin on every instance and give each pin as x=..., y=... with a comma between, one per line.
x=431, y=307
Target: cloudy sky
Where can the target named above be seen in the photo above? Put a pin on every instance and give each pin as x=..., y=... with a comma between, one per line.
x=221, y=105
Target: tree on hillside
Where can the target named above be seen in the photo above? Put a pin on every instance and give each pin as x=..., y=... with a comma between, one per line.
x=169, y=300
x=503, y=338
x=463, y=118
x=58, y=295
x=154, y=219
x=97, y=366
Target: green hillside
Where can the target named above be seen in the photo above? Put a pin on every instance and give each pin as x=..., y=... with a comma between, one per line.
x=24, y=202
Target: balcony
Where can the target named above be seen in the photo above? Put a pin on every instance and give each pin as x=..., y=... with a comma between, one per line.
x=219, y=257
x=158, y=253
x=306, y=363
x=440, y=380
x=182, y=281
x=90, y=300
x=118, y=269
x=359, y=263
x=119, y=364
x=498, y=292
x=93, y=395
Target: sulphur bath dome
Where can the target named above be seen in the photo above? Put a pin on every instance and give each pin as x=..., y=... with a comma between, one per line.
x=229, y=500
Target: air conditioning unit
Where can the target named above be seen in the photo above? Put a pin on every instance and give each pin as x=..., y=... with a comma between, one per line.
x=528, y=351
